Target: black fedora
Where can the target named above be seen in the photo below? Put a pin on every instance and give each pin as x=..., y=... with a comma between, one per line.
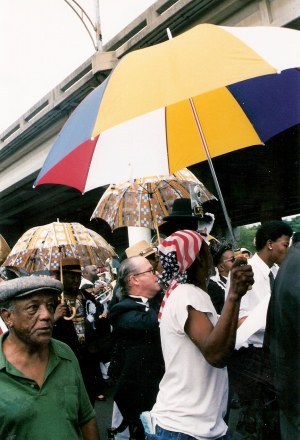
x=182, y=209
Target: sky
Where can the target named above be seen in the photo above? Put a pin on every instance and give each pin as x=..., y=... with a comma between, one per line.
x=43, y=41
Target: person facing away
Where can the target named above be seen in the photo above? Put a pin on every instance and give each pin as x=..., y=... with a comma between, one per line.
x=223, y=259
x=249, y=369
x=42, y=391
x=135, y=325
x=196, y=345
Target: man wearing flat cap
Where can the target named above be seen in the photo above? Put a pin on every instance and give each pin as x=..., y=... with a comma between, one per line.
x=42, y=391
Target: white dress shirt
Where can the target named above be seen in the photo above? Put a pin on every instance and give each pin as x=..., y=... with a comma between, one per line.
x=260, y=289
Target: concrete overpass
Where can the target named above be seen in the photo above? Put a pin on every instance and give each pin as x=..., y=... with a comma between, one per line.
x=257, y=183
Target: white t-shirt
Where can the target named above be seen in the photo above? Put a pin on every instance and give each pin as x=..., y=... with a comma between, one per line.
x=192, y=398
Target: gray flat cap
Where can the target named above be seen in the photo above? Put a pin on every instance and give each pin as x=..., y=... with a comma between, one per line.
x=21, y=287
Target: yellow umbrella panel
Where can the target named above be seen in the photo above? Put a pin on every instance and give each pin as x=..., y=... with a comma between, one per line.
x=202, y=59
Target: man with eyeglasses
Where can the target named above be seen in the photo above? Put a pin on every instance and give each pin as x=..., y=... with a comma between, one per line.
x=223, y=259
x=135, y=327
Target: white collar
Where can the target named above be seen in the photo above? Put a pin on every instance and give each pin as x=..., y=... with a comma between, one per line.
x=85, y=281
x=144, y=300
x=263, y=266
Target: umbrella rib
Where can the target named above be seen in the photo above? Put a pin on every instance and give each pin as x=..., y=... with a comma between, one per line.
x=161, y=200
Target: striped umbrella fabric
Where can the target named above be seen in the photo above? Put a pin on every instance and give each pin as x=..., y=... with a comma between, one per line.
x=141, y=120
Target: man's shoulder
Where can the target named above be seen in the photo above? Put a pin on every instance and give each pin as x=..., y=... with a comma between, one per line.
x=123, y=306
x=62, y=350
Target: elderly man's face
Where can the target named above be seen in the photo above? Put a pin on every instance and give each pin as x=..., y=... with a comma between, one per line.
x=32, y=319
x=145, y=278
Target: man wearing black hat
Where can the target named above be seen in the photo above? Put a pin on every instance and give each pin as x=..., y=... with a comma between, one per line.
x=42, y=392
x=183, y=216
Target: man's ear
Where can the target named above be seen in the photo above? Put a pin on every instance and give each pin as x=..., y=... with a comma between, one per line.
x=132, y=280
x=220, y=267
x=6, y=316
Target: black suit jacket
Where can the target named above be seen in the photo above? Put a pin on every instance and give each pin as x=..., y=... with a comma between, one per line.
x=282, y=336
x=139, y=364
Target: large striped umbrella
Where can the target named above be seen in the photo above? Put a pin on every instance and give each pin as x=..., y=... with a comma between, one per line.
x=152, y=88
x=144, y=202
x=173, y=104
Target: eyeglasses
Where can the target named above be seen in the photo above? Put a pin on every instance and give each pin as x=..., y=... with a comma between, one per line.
x=152, y=270
x=231, y=259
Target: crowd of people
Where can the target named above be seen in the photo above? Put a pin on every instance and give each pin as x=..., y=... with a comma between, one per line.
x=183, y=330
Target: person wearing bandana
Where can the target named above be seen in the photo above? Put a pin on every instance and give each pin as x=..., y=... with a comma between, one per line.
x=196, y=344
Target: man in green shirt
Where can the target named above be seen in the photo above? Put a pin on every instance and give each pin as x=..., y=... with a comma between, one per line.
x=41, y=388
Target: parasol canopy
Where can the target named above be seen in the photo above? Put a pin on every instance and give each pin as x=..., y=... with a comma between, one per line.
x=144, y=202
x=43, y=247
x=4, y=249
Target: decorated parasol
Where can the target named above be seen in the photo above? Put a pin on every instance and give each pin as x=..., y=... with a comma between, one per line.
x=144, y=202
x=43, y=247
x=4, y=249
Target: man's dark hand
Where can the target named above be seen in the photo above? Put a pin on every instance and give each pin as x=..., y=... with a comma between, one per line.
x=241, y=278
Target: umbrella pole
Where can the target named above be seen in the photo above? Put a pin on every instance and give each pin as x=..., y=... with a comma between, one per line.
x=67, y=318
x=157, y=231
x=61, y=275
x=212, y=169
x=154, y=219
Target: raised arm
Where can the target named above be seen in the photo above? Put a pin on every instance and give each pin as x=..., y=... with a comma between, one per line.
x=217, y=343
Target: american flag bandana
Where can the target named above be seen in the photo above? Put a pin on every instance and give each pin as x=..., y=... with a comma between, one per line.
x=177, y=253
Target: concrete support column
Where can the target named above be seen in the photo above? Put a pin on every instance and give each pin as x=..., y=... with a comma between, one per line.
x=137, y=234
